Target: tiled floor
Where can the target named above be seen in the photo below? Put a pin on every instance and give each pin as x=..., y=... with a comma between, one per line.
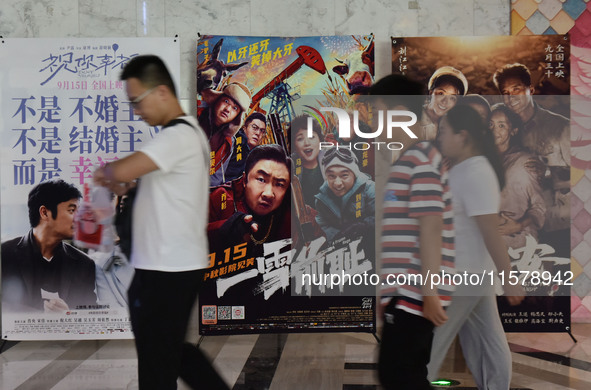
x=326, y=361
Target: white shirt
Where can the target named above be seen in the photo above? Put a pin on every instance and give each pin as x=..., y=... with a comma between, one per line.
x=170, y=209
x=475, y=191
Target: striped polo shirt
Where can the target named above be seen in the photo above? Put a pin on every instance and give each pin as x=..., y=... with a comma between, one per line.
x=417, y=186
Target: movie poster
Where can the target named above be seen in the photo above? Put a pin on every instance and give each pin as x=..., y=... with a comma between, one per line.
x=65, y=113
x=278, y=225
x=523, y=82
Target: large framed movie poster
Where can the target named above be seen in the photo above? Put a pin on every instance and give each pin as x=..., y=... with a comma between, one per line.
x=64, y=114
x=523, y=81
x=275, y=230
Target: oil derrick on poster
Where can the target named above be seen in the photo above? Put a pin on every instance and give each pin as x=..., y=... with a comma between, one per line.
x=525, y=80
x=269, y=245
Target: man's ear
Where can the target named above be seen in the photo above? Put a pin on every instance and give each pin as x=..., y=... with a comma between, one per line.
x=163, y=90
x=44, y=213
x=465, y=136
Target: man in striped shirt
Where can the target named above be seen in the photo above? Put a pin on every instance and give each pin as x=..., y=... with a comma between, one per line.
x=417, y=243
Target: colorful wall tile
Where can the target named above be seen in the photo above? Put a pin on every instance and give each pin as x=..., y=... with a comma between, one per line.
x=532, y=17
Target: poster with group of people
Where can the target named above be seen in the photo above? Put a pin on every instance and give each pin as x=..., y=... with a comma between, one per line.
x=520, y=86
x=64, y=114
x=287, y=207
x=292, y=203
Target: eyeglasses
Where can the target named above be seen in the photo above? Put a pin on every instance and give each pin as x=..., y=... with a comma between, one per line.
x=135, y=102
x=344, y=155
x=257, y=129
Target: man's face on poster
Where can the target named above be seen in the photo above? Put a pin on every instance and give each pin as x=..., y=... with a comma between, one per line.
x=340, y=180
x=254, y=131
x=62, y=224
x=516, y=95
x=266, y=186
x=225, y=110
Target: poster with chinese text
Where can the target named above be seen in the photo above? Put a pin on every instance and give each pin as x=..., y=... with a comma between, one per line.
x=273, y=228
x=521, y=83
x=64, y=114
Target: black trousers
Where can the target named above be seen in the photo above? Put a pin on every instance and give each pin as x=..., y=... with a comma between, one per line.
x=160, y=306
x=404, y=350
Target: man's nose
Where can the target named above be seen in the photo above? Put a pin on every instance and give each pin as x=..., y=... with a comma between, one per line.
x=268, y=190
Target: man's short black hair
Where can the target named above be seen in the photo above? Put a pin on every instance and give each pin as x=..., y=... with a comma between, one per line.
x=400, y=91
x=150, y=70
x=271, y=152
x=255, y=115
x=474, y=98
x=49, y=194
x=508, y=71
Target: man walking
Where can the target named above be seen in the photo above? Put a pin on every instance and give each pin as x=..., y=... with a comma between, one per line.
x=169, y=240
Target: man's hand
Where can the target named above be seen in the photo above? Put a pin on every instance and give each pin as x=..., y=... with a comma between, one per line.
x=102, y=177
x=433, y=311
x=515, y=294
x=55, y=305
x=238, y=226
x=508, y=225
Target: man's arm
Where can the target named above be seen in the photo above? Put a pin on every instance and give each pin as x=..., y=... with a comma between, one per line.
x=117, y=174
x=487, y=224
x=430, y=242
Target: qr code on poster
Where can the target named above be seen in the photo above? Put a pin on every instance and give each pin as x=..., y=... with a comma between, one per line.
x=224, y=312
x=208, y=314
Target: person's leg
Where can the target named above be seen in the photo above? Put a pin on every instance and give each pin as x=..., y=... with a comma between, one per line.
x=160, y=305
x=404, y=351
x=197, y=371
x=443, y=336
x=485, y=346
x=140, y=302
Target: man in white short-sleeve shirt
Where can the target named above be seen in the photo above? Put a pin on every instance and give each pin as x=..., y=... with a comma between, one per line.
x=169, y=240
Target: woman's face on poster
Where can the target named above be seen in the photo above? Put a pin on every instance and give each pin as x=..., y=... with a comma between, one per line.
x=443, y=98
x=307, y=148
x=502, y=130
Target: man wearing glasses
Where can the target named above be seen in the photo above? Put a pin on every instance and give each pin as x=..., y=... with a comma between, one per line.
x=169, y=248
x=250, y=136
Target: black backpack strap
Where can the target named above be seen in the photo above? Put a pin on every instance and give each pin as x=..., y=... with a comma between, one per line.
x=176, y=122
